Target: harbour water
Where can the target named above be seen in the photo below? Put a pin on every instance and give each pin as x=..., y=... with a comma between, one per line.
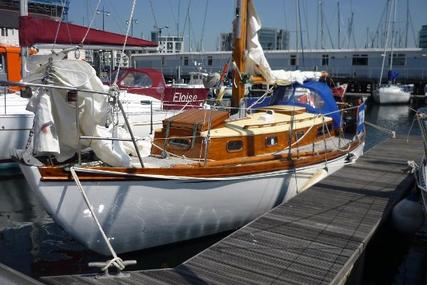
x=32, y=243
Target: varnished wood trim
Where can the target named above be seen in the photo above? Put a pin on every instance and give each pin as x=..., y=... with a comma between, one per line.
x=228, y=168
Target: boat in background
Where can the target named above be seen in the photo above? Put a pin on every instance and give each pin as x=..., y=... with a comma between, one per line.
x=150, y=82
x=15, y=124
x=391, y=93
x=148, y=100
x=15, y=121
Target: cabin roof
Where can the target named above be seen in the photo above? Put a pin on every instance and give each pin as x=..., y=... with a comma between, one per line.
x=265, y=123
x=197, y=117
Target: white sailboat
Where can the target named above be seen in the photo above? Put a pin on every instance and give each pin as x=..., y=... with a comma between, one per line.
x=391, y=93
x=206, y=173
x=15, y=125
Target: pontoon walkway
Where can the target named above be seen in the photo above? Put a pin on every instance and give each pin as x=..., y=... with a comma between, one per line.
x=316, y=238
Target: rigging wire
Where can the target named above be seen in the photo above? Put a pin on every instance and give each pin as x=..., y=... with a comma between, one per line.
x=304, y=7
x=203, y=26
x=187, y=17
x=386, y=41
x=59, y=25
x=118, y=22
x=90, y=23
x=156, y=23
x=327, y=29
x=125, y=42
x=374, y=37
x=285, y=16
x=173, y=15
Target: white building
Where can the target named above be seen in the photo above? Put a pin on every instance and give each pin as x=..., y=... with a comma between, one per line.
x=168, y=44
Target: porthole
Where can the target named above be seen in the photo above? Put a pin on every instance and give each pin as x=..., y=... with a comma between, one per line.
x=234, y=146
x=180, y=143
x=271, y=141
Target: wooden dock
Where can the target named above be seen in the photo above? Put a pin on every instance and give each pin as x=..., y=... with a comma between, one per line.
x=316, y=238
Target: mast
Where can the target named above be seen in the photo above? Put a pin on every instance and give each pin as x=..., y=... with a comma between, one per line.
x=23, y=11
x=407, y=23
x=239, y=30
x=387, y=31
x=321, y=24
x=297, y=26
x=339, y=24
x=393, y=30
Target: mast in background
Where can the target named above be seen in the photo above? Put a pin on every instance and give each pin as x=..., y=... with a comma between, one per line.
x=239, y=34
x=23, y=12
x=407, y=24
x=339, y=25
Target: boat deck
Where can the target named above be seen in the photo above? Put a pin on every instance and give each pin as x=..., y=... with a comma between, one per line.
x=316, y=238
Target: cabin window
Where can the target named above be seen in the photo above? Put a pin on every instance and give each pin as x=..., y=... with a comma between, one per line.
x=323, y=130
x=180, y=143
x=234, y=146
x=177, y=47
x=293, y=59
x=169, y=47
x=325, y=59
x=398, y=59
x=185, y=60
x=271, y=141
x=298, y=135
x=136, y=79
x=210, y=60
x=360, y=59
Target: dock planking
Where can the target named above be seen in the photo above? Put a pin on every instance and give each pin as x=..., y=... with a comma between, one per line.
x=316, y=238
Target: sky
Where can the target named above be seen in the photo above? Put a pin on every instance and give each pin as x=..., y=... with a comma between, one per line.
x=208, y=18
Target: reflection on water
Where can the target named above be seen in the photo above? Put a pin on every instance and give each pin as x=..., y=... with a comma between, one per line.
x=33, y=244
x=398, y=118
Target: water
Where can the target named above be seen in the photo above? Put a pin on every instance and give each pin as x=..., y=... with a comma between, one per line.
x=32, y=243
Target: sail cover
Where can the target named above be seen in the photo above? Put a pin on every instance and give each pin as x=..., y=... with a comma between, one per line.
x=41, y=30
x=56, y=131
x=256, y=62
x=392, y=75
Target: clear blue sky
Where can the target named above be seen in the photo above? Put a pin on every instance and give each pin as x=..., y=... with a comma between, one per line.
x=273, y=13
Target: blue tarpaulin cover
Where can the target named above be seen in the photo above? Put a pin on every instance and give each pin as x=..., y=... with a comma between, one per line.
x=392, y=75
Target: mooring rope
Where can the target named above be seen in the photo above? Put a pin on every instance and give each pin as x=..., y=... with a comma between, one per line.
x=115, y=261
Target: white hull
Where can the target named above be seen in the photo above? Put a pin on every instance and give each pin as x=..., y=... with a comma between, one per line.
x=15, y=124
x=153, y=212
x=391, y=94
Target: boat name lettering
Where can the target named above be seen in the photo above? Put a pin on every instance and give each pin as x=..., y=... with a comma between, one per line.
x=179, y=97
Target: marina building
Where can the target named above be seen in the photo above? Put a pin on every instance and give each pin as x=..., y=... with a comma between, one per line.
x=269, y=38
x=363, y=64
x=423, y=37
x=168, y=44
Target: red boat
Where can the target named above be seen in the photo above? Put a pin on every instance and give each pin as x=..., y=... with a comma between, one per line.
x=150, y=82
